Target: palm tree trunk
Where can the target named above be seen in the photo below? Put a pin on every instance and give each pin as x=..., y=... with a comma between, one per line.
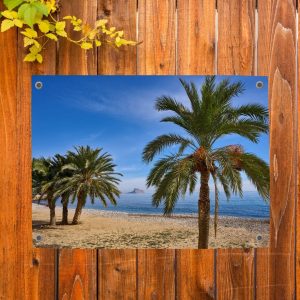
x=204, y=211
x=78, y=210
x=65, y=203
x=51, y=204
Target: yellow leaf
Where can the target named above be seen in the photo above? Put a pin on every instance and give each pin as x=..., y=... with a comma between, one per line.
x=51, y=27
x=61, y=33
x=112, y=28
x=101, y=22
x=77, y=28
x=30, y=57
x=68, y=18
x=51, y=36
x=44, y=26
x=8, y=14
x=6, y=24
x=97, y=43
x=60, y=26
x=35, y=50
x=29, y=33
x=86, y=45
x=28, y=41
x=120, y=33
x=18, y=23
x=39, y=58
x=92, y=35
x=37, y=44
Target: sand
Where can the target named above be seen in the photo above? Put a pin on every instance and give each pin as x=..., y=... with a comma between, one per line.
x=104, y=229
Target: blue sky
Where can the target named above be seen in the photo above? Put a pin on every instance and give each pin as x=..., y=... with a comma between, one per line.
x=117, y=113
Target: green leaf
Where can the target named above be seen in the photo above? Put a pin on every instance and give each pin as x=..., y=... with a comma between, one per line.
x=51, y=36
x=7, y=24
x=22, y=10
x=30, y=57
x=29, y=15
x=11, y=4
x=41, y=8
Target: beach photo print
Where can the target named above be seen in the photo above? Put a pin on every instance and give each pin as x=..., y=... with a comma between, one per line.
x=150, y=161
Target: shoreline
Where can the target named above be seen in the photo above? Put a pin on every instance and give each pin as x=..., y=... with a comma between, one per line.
x=173, y=216
x=109, y=229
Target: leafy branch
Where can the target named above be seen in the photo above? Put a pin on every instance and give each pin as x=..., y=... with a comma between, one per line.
x=37, y=19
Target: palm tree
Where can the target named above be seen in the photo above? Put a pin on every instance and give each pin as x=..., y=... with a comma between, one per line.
x=44, y=172
x=60, y=161
x=93, y=175
x=209, y=117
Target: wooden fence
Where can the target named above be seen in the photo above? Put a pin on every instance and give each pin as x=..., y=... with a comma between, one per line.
x=244, y=37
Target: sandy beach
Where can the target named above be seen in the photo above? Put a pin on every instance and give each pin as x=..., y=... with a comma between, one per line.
x=104, y=229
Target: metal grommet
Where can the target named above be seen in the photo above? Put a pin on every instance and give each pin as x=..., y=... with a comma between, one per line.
x=38, y=85
x=259, y=237
x=39, y=238
x=259, y=84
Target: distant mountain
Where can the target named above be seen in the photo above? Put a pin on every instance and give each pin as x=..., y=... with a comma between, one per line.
x=136, y=191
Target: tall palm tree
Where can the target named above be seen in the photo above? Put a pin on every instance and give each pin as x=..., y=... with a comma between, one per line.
x=209, y=117
x=44, y=171
x=93, y=175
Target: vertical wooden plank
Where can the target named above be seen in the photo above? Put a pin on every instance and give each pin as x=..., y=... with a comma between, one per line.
x=195, y=274
x=117, y=274
x=235, y=274
x=282, y=103
x=236, y=37
x=262, y=274
x=121, y=14
x=156, y=274
x=72, y=59
x=156, y=31
x=11, y=259
x=43, y=279
x=23, y=174
x=196, y=37
x=77, y=274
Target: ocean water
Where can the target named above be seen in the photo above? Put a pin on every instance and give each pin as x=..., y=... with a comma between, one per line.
x=251, y=205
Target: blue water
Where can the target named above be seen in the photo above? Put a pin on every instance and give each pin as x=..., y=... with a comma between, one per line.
x=250, y=206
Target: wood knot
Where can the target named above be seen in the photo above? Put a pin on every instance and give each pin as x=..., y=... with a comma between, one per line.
x=117, y=269
x=281, y=118
x=35, y=262
x=107, y=12
x=161, y=65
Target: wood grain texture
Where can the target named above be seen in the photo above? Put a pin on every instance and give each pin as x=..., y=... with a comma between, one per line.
x=196, y=40
x=195, y=274
x=72, y=59
x=156, y=31
x=298, y=179
x=236, y=37
x=156, y=274
x=43, y=277
x=117, y=274
x=262, y=287
x=122, y=15
x=11, y=257
x=235, y=274
x=282, y=97
x=77, y=274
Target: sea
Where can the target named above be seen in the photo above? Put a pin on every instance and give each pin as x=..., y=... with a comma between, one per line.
x=250, y=206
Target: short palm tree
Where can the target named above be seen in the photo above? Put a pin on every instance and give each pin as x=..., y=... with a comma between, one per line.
x=93, y=176
x=209, y=117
